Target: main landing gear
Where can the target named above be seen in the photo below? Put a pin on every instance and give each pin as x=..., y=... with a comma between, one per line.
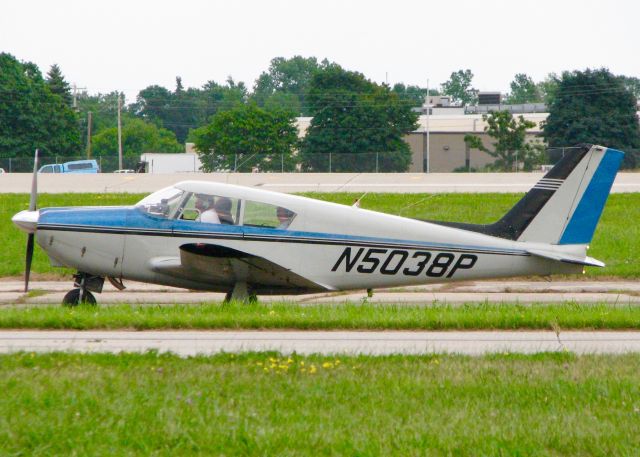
x=84, y=284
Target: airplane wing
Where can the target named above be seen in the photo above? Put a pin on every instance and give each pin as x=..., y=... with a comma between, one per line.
x=220, y=265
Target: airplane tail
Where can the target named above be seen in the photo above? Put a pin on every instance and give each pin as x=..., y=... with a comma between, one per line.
x=564, y=207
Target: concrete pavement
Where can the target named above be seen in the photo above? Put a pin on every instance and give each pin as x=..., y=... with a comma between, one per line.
x=297, y=182
x=188, y=343
x=508, y=291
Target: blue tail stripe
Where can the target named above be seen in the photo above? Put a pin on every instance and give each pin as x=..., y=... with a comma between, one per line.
x=585, y=218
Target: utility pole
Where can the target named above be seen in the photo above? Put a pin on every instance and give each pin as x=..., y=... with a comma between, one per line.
x=75, y=95
x=119, y=133
x=88, y=134
x=428, y=170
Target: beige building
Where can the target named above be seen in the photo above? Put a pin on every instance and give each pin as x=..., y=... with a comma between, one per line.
x=447, y=150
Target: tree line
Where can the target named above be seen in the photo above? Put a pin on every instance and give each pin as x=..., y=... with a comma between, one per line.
x=350, y=115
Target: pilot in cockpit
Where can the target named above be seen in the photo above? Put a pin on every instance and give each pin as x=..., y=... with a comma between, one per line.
x=205, y=205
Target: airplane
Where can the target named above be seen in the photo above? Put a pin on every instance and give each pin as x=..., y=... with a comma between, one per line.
x=247, y=241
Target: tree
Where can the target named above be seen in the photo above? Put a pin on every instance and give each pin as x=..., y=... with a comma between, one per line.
x=413, y=95
x=31, y=116
x=523, y=90
x=511, y=144
x=288, y=77
x=548, y=88
x=138, y=137
x=594, y=106
x=353, y=116
x=58, y=85
x=458, y=87
x=183, y=110
x=247, y=136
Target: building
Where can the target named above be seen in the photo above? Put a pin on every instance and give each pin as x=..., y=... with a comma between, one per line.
x=447, y=149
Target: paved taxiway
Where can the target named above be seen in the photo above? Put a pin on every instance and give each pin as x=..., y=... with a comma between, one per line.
x=186, y=343
x=509, y=291
x=297, y=182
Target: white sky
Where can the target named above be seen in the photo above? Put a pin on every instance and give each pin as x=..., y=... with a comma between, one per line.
x=128, y=45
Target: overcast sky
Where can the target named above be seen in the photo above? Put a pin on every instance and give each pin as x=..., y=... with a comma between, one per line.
x=128, y=45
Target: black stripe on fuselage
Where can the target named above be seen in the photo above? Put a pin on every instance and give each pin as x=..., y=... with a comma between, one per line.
x=270, y=238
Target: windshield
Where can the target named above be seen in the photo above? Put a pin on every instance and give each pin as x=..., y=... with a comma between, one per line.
x=161, y=203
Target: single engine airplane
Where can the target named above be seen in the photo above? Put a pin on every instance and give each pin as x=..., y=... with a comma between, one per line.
x=247, y=241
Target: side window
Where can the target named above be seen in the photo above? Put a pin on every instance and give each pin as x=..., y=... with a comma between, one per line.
x=213, y=209
x=47, y=169
x=264, y=215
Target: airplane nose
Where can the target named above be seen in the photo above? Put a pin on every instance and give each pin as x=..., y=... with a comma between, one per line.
x=27, y=221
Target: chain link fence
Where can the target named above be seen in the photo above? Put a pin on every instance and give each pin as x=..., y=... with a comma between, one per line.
x=373, y=162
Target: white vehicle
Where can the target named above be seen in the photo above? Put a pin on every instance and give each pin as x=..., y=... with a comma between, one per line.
x=262, y=242
x=1, y=171
x=183, y=162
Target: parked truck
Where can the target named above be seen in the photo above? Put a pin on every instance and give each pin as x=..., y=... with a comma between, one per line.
x=184, y=162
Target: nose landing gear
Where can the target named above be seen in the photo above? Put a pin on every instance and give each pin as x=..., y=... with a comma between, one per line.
x=84, y=284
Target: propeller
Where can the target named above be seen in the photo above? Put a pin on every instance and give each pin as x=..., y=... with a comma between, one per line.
x=31, y=236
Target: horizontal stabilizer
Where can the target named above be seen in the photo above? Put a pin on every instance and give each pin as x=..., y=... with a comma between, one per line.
x=567, y=258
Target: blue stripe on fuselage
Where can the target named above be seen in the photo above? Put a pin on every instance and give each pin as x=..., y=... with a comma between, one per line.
x=132, y=220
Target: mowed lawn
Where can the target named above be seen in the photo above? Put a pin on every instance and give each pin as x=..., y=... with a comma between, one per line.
x=267, y=404
x=615, y=241
x=486, y=316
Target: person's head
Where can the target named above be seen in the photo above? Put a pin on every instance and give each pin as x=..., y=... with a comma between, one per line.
x=283, y=214
x=223, y=206
x=203, y=202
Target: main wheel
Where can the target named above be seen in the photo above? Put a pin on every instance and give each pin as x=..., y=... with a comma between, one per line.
x=72, y=298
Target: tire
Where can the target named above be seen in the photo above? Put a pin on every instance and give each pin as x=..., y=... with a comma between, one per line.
x=72, y=298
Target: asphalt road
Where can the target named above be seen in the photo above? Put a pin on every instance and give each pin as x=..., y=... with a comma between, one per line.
x=188, y=343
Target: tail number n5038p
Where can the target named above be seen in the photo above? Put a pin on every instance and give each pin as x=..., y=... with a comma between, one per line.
x=392, y=262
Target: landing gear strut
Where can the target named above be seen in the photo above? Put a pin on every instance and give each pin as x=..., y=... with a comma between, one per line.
x=84, y=283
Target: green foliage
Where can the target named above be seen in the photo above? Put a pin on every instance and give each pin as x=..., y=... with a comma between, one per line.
x=548, y=88
x=183, y=110
x=58, y=85
x=523, y=90
x=458, y=87
x=247, y=133
x=138, y=137
x=286, y=83
x=352, y=115
x=594, y=106
x=414, y=96
x=510, y=145
x=260, y=404
x=31, y=115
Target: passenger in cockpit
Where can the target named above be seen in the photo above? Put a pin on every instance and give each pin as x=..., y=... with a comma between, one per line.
x=223, y=208
x=205, y=204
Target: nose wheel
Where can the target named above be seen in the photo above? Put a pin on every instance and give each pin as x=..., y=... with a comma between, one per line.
x=84, y=283
x=76, y=296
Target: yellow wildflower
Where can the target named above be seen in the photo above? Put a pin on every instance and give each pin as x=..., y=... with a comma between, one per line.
x=327, y=365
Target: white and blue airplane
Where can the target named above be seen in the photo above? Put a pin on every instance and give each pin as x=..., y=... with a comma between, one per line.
x=246, y=241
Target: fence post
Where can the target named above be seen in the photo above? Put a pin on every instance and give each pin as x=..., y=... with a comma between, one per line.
x=376, y=162
x=235, y=162
x=329, y=162
x=9, y=164
x=281, y=163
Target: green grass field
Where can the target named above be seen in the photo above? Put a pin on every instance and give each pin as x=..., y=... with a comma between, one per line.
x=266, y=404
x=307, y=317
x=615, y=241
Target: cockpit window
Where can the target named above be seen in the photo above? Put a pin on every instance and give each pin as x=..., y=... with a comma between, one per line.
x=214, y=209
x=163, y=203
x=258, y=214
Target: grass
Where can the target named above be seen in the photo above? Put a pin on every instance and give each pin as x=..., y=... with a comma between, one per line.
x=346, y=316
x=615, y=240
x=266, y=404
